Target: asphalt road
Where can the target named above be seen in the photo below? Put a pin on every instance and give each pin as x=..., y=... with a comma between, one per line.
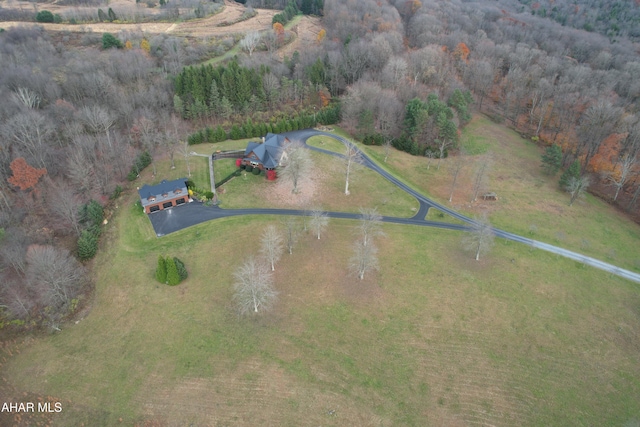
x=178, y=218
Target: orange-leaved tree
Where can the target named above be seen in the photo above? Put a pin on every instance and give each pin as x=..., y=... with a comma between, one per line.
x=321, y=35
x=279, y=30
x=461, y=51
x=24, y=175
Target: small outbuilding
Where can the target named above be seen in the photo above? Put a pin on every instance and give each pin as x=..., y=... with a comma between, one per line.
x=164, y=195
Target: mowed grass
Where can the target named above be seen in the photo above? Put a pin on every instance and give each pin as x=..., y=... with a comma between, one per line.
x=327, y=177
x=199, y=171
x=434, y=338
x=326, y=143
x=529, y=202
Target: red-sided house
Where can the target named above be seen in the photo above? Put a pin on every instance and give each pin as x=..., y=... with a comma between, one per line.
x=164, y=195
x=265, y=155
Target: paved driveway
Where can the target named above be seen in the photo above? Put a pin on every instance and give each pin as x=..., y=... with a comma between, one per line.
x=180, y=217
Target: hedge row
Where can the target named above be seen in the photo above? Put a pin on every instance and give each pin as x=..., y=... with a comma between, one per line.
x=326, y=116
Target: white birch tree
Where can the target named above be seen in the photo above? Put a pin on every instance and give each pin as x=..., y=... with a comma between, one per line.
x=352, y=158
x=364, y=258
x=253, y=287
x=250, y=41
x=297, y=162
x=319, y=221
x=370, y=224
x=480, y=238
x=271, y=246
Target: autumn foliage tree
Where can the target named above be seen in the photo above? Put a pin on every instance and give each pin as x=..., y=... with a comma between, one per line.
x=24, y=175
x=278, y=28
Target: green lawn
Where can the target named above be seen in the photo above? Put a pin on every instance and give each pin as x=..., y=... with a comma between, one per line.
x=522, y=337
x=529, y=202
x=199, y=171
x=326, y=143
x=367, y=188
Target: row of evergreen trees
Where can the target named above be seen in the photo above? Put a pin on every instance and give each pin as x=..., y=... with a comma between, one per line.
x=287, y=14
x=170, y=271
x=326, y=116
x=210, y=88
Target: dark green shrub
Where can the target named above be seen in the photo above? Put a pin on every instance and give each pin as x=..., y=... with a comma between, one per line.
x=112, y=15
x=116, y=193
x=87, y=245
x=57, y=18
x=173, y=278
x=91, y=215
x=44, y=16
x=182, y=270
x=238, y=172
x=208, y=195
x=102, y=16
x=190, y=184
x=161, y=270
x=248, y=168
x=109, y=41
x=256, y=171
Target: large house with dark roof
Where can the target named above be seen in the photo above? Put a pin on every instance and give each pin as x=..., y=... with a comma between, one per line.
x=164, y=195
x=265, y=155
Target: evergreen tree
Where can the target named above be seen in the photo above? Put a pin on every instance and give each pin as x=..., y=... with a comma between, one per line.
x=214, y=97
x=572, y=172
x=220, y=134
x=87, y=245
x=102, y=16
x=173, y=278
x=182, y=270
x=552, y=159
x=161, y=270
x=109, y=41
x=226, y=108
x=112, y=15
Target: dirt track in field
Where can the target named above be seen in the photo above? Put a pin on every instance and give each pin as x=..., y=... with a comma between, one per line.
x=193, y=28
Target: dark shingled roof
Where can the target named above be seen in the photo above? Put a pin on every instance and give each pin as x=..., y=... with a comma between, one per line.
x=268, y=152
x=172, y=189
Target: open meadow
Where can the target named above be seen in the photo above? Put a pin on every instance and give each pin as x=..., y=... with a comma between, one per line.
x=522, y=337
x=529, y=203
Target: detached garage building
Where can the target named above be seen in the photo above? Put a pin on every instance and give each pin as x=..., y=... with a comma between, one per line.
x=164, y=195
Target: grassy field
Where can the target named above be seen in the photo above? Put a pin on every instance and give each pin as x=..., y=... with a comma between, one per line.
x=529, y=202
x=520, y=338
x=199, y=171
x=433, y=338
x=322, y=186
x=326, y=143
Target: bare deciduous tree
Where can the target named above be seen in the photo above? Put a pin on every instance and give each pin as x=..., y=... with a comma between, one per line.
x=480, y=238
x=64, y=206
x=254, y=289
x=443, y=144
x=622, y=172
x=370, y=224
x=98, y=120
x=250, y=41
x=13, y=250
x=576, y=187
x=297, y=162
x=364, y=258
x=271, y=245
x=290, y=232
x=352, y=158
x=54, y=274
x=25, y=96
x=319, y=220
x=480, y=179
